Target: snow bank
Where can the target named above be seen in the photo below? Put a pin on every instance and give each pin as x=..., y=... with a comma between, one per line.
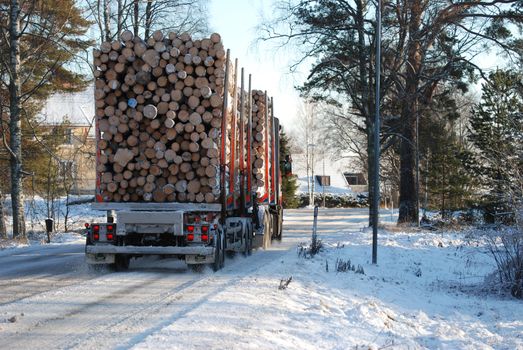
x=425, y=293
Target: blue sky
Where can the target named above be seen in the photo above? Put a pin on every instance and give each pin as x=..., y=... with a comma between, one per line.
x=236, y=22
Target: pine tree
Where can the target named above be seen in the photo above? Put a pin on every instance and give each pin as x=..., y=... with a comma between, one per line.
x=496, y=130
x=448, y=182
x=289, y=184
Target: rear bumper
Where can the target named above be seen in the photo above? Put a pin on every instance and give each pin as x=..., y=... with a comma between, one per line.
x=111, y=249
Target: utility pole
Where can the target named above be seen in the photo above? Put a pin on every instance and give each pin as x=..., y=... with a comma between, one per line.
x=376, y=186
x=417, y=165
x=311, y=200
x=323, y=184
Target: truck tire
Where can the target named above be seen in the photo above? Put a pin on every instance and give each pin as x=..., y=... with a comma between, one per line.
x=248, y=241
x=96, y=268
x=278, y=229
x=230, y=253
x=197, y=267
x=121, y=262
x=267, y=230
x=219, y=256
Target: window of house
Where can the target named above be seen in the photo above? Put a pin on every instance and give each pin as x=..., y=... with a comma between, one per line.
x=67, y=169
x=353, y=179
x=68, y=136
x=324, y=180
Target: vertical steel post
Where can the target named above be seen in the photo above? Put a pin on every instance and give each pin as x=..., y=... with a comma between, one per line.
x=315, y=227
x=232, y=159
x=223, y=188
x=266, y=160
x=242, y=146
x=376, y=189
x=249, y=144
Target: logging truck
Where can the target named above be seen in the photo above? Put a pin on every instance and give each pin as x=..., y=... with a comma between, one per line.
x=187, y=158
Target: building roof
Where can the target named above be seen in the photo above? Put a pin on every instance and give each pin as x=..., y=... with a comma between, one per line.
x=77, y=108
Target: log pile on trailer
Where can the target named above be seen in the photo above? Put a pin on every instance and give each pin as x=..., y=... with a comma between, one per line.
x=261, y=140
x=159, y=108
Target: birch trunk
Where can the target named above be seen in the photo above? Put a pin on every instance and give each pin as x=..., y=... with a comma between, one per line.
x=107, y=19
x=15, y=130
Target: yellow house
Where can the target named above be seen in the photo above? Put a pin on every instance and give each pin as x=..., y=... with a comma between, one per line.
x=77, y=154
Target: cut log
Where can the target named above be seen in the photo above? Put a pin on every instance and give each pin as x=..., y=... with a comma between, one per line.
x=123, y=156
x=150, y=111
x=126, y=35
x=151, y=57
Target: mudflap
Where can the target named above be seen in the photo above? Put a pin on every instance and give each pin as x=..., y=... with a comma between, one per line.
x=98, y=259
x=199, y=259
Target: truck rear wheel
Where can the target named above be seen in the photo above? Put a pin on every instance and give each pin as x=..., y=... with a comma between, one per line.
x=267, y=230
x=121, y=262
x=248, y=241
x=219, y=255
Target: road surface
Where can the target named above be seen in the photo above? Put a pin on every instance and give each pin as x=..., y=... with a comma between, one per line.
x=55, y=301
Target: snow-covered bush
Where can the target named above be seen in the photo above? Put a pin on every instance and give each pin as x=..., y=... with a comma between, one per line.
x=335, y=200
x=346, y=265
x=506, y=246
x=309, y=250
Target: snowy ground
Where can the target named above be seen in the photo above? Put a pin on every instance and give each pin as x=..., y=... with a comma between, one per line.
x=425, y=293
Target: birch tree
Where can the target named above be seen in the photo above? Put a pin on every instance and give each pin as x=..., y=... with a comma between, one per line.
x=37, y=39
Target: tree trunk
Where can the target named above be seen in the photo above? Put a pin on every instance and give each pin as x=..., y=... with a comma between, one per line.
x=148, y=18
x=3, y=228
x=408, y=212
x=119, y=24
x=15, y=139
x=365, y=78
x=66, y=216
x=136, y=13
x=107, y=20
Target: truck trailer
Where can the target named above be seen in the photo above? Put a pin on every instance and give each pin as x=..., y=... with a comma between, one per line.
x=211, y=185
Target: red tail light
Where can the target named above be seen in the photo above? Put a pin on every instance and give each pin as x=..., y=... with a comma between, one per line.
x=190, y=228
x=96, y=232
x=190, y=237
x=110, y=237
x=110, y=228
x=205, y=237
x=205, y=229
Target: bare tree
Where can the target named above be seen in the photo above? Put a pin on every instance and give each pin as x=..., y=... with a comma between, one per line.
x=144, y=17
x=308, y=135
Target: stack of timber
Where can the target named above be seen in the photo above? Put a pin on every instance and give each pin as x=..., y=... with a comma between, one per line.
x=260, y=140
x=159, y=115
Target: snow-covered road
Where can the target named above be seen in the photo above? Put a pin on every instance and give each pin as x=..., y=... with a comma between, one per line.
x=58, y=303
x=418, y=297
